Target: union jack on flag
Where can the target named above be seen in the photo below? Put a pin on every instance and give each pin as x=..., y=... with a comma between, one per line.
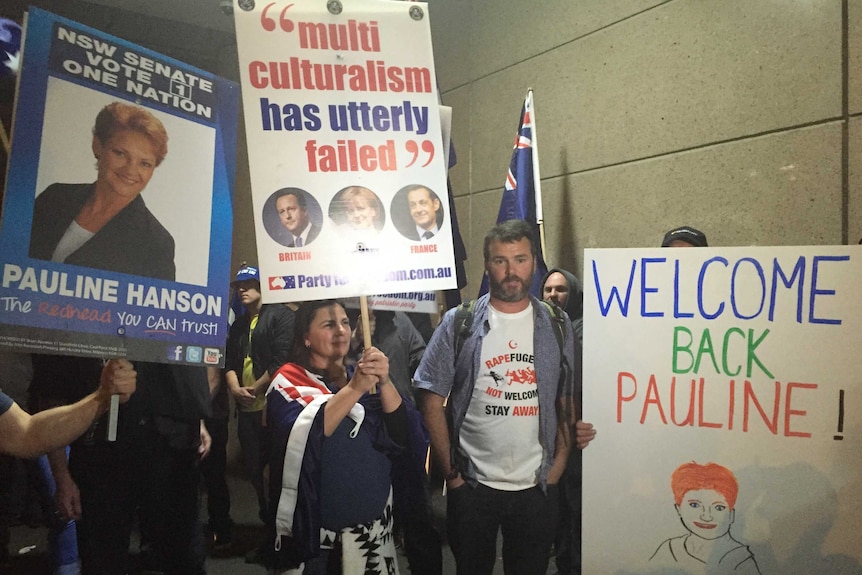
x=10, y=47
x=522, y=196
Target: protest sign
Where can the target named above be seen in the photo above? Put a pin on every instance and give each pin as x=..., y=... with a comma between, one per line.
x=411, y=302
x=347, y=168
x=117, y=212
x=745, y=358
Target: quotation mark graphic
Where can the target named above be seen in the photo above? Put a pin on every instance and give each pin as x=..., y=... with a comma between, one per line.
x=413, y=148
x=268, y=23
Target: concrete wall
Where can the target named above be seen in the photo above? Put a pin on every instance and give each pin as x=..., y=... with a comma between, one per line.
x=740, y=118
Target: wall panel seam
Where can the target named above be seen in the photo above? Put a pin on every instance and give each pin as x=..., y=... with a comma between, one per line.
x=566, y=43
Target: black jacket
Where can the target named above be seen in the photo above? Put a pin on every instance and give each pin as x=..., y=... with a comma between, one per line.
x=133, y=242
x=171, y=398
x=285, y=238
x=575, y=301
x=270, y=344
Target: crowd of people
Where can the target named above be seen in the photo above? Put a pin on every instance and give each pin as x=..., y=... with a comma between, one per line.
x=334, y=434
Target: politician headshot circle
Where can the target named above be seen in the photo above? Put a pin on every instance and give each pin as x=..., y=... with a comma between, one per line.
x=357, y=212
x=292, y=217
x=417, y=212
x=106, y=224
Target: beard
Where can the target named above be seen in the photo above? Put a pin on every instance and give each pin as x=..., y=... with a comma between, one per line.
x=559, y=300
x=511, y=294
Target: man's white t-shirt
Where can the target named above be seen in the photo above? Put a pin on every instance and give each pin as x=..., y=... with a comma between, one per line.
x=500, y=432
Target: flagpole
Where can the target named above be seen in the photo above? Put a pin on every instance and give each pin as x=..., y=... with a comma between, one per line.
x=537, y=178
x=366, y=328
x=5, y=139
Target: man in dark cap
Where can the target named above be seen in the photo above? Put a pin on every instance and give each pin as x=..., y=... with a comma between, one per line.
x=258, y=343
x=684, y=237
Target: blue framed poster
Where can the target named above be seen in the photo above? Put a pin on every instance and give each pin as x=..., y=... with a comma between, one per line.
x=117, y=218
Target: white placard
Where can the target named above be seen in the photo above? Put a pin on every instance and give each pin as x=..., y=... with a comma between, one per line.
x=743, y=357
x=341, y=111
x=410, y=302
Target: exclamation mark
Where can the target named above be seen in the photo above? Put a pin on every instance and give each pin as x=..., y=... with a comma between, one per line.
x=839, y=437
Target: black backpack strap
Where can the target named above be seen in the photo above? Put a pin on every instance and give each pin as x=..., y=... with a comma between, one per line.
x=463, y=325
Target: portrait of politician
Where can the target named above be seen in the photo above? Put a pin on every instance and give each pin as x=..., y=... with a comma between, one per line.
x=419, y=212
x=705, y=501
x=298, y=229
x=106, y=224
x=357, y=212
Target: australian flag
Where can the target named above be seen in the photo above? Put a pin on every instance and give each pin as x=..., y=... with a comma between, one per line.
x=10, y=47
x=522, y=197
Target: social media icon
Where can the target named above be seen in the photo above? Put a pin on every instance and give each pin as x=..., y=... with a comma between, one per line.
x=175, y=353
x=211, y=355
x=193, y=354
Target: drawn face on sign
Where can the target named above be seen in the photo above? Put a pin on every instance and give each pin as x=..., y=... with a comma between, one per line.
x=705, y=513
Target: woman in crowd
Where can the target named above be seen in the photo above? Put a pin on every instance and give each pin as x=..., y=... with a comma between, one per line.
x=340, y=453
x=106, y=224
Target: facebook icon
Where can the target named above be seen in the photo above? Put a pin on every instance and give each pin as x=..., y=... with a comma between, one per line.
x=175, y=353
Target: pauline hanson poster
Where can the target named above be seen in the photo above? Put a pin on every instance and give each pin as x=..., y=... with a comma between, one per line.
x=117, y=213
x=724, y=385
